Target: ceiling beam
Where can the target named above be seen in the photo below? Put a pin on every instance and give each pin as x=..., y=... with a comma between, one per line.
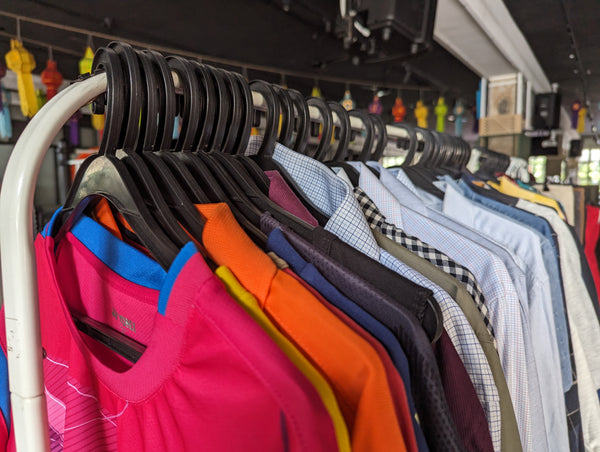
x=484, y=36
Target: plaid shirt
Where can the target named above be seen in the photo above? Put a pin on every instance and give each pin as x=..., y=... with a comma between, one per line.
x=378, y=222
x=330, y=194
x=465, y=342
x=508, y=313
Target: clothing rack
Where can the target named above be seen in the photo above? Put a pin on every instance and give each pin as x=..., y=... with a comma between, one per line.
x=18, y=260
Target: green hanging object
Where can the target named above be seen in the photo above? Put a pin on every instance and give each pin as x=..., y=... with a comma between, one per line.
x=347, y=102
x=40, y=95
x=85, y=64
x=441, y=110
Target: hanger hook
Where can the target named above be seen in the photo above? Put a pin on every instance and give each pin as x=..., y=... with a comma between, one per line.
x=19, y=29
x=50, y=53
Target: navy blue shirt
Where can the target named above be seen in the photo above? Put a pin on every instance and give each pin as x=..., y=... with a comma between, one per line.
x=280, y=246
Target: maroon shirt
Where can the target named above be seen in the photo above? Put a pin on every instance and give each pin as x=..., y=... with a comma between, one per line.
x=282, y=195
x=465, y=408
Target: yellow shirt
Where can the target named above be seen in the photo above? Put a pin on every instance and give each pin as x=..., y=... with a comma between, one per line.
x=249, y=303
x=511, y=189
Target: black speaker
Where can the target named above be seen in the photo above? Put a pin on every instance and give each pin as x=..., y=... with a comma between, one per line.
x=546, y=113
x=575, y=148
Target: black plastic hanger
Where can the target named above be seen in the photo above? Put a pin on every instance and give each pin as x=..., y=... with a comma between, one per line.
x=234, y=193
x=168, y=177
x=222, y=112
x=260, y=178
x=382, y=138
x=369, y=133
x=352, y=173
x=234, y=124
x=287, y=116
x=235, y=168
x=343, y=132
x=302, y=123
x=264, y=157
x=105, y=176
x=248, y=116
x=379, y=143
x=272, y=117
x=242, y=179
x=412, y=143
x=208, y=90
x=157, y=183
x=327, y=126
x=418, y=172
x=199, y=193
x=201, y=83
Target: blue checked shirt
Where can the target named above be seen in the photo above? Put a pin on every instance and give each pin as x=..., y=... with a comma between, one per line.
x=508, y=313
x=332, y=195
x=527, y=245
x=465, y=342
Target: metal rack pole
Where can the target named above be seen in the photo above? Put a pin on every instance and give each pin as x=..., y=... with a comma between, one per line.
x=19, y=278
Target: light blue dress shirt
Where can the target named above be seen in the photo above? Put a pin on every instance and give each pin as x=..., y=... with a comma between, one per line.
x=550, y=255
x=508, y=310
x=526, y=244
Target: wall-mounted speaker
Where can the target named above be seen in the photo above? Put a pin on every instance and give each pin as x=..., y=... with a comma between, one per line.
x=546, y=113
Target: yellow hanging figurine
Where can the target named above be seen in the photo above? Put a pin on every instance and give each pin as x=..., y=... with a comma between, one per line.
x=85, y=66
x=441, y=110
x=421, y=113
x=581, y=120
x=21, y=61
x=316, y=91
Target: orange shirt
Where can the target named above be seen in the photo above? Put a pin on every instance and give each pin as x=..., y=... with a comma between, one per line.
x=351, y=365
x=396, y=384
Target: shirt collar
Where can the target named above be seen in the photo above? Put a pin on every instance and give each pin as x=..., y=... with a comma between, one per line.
x=331, y=194
x=398, y=190
x=228, y=245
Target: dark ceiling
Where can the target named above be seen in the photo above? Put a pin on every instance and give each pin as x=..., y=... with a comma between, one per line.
x=258, y=32
x=545, y=26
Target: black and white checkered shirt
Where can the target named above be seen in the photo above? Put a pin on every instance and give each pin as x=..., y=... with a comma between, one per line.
x=378, y=222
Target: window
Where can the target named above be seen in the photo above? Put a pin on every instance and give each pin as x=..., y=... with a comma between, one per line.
x=392, y=160
x=537, y=167
x=588, y=168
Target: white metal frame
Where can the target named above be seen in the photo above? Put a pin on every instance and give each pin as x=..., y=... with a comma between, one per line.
x=19, y=277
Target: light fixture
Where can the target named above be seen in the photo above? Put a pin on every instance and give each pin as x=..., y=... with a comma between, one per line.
x=572, y=56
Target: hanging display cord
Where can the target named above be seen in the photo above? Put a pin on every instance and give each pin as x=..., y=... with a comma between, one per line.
x=208, y=58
